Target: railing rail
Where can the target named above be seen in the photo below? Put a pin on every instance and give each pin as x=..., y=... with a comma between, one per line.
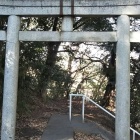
x=83, y=110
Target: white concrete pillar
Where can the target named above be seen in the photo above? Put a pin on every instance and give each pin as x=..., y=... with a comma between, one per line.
x=122, y=125
x=67, y=23
x=10, y=79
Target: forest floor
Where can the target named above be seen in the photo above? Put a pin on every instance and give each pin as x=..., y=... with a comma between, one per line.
x=31, y=125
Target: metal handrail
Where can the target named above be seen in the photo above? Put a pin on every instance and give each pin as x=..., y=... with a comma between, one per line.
x=83, y=110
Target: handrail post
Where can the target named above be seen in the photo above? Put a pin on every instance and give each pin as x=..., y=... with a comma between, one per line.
x=133, y=135
x=83, y=108
x=70, y=106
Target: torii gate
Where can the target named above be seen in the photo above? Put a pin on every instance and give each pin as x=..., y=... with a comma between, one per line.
x=68, y=9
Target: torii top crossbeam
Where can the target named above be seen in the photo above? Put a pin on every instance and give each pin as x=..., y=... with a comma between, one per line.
x=70, y=7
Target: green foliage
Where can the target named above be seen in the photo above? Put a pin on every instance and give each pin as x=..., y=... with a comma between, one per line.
x=97, y=24
x=135, y=89
x=93, y=24
x=3, y=22
x=56, y=87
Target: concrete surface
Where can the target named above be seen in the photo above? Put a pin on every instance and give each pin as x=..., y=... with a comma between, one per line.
x=60, y=128
x=69, y=7
x=122, y=126
x=10, y=79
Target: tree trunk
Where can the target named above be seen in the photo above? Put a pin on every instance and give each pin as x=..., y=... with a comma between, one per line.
x=50, y=63
x=110, y=73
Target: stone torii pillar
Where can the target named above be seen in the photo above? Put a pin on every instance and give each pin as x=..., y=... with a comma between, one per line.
x=10, y=79
x=122, y=125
